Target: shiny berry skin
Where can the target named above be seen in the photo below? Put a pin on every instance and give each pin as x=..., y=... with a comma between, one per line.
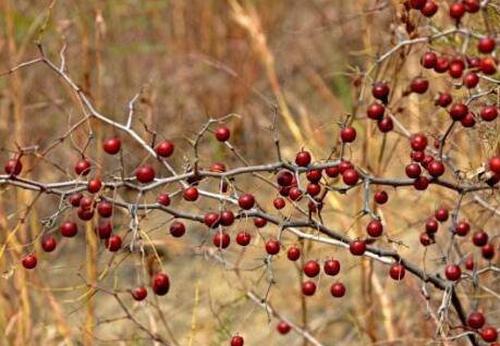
x=431, y=226
x=190, y=194
x=283, y=327
x=375, y=111
x=273, y=246
x=350, y=177
x=243, y=238
x=421, y=183
x=313, y=189
x=29, y=261
x=381, y=197
x=344, y=165
x=105, y=208
x=471, y=6
x=488, y=65
x=331, y=267
x=311, y=268
x=417, y=4
x=68, y=229
x=385, y=125
x=469, y=263
x=476, y=320
x=380, y=90
x=314, y=175
x=86, y=203
x=348, y=134
x=145, y=174
x=218, y=167
x=164, y=199
x=488, y=251
x=82, y=167
x=480, y=238
x=165, y=148
x=177, y=229
x=332, y=171
x=444, y=100
x=161, y=284
x=441, y=214
x=457, y=10
x=211, y=219
x=489, y=334
x=430, y=8
x=489, y=113
x=428, y=60
x=246, y=201
x=374, y=228
x=139, y=293
x=436, y=168
x=419, y=85
x=113, y=243
x=397, y=271
x=471, y=80
x=48, y=243
x=417, y=156
x=222, y=134
x=413, y=170
x=456, y=69
x=13, y=167
x=426, y=161
x=468, y=121
x=442, y=64
x=337, y=290
x=237, y=341
x=85, y=214
x=494, y=164
x=308, y=288
x=418, y=142
x=279, y=203
x=104, y=230
x=426, y=239
x=486, y=45
x=260, y=222
x=75, y=199
x=226, y=218
x=452, y=272
x=221, y=240
x=284, y=178
x=303, y=158
x=293, y=253
x=112, y=145
x=462, y=228
x=357, y=247
x=94, y=185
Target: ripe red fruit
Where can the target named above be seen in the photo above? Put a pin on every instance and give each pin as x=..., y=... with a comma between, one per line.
x=139, y=293
x=442, y=64
x=237, y=341
x=452, y=272
x=426, y=161
x=112, y=145
x=419, y=85
x=457, y=10
x=469, y=263
x=463, y=228
x=285, y=178
x=489, y=113
x=380, y=90
x=418, y=142
x=431, y=226
x=417, y=156
x=428, y=60
x=332, y=171
x=488, y=65
x=480, y=238
x=48, y=243
x=331, y=267
x=226, y=218
x=85, y=214
x=385, y=125
x=293, y=253
x=471, y=6
x=313, y=189
x=279, y=203
x=222, y=134
x=161, y=284
x=489, y=334
x=456, y=68
x=246, y=201
x=430, y=8
x=357, y=247
x=145, y=174
x=273, y=246
x=426, y=239
x=471, y=80
x=436, y=168
x=308, y=288
x=29, y=261
x=164, y=199
x=86, y=203
x=13, y=167
x=104, y=230
x=486, y=45
x=165, y=148
x=494, y=164
x=413, y=170
x=421, y=183
x=476, y=320
x=177, y=229
x=68, y=229
x=348, y=134
x=375, y=111
x=295, y=194
x=374, y=228
x=113, y=243
x=397, y=271
x=444, y=100
x=350, y=177
x=75, y=199
x=221, y=240
x=314, y=175
x=243, y=238
x=468, y=120
x=337, y=290
x=260, y=222
x=417, y=4
x=283, y=327
x=105, y=208
x=488, y=251
x=311, y=268
x=218, y=167
x=303, y=158
x=94, y=185
x=381, y=197
x=441, y=214
x=190, y=194
x=211, y=219
x=82, y=167
x=344, y=165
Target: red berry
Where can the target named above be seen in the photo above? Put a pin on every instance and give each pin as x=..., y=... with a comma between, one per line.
x=177, y=229
x=375, y=111
x=112, y=145
x=29, y=261
x=442, y=64
x=476, y=320
x=190, y=194
x=488, y=251
x=471, y=80
x=68, y=229
x=488, y=65
x=471, y=6
x=94, y=185
x=494, y=164
x=82, y=167
x=489, y=334
x=419, y=85
x=385, y=125
x=226, y=218
x=313, y=189
x=211, y=219
x=457, y=10
x=431, y=226
x=337, y=290
x=357, y=247
x=452, y=272
x=381, y=197
x=139, y=293
x=444, y=100
x=436, y=168
x=380, y=90
x=303, y=158
x=237, y=341
x=417, y=156
x=85, y=214
x=285, y=178
x=344, y=166
x=428, y=60
x=13, y=167
x=456, y=69
x=417, y=4
x=308, y=288
x=331, y=267
x=105, y=209
x=350, y=177
x=430, y=8
x=165, y=148
x=421, y=183
x=104, y=230
x=374, y=228
x=486, y=45
x=86, y=203
x=463, y=228
x=314, y=175
x=397, y=271
x=469, y=263
x=145, y=174
x=243, y=238
x=75, y=199
x=441, y=214
x=222, y=134
x=221, y=240
x=260, y=222
x=311, y=268
x=273, y=246
x=164, y=199
x=113, y=243
x=348, y=134
x=480, y=238
x=161, y=284
x=426, y=239
x=418, y=142
x=413, y=170
x=218, y=167
x=489, y=113
x=49, y=243
x=293, y=253
x=468, y=121
x=283, y=327
x=279, y=203
x=246, y=201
